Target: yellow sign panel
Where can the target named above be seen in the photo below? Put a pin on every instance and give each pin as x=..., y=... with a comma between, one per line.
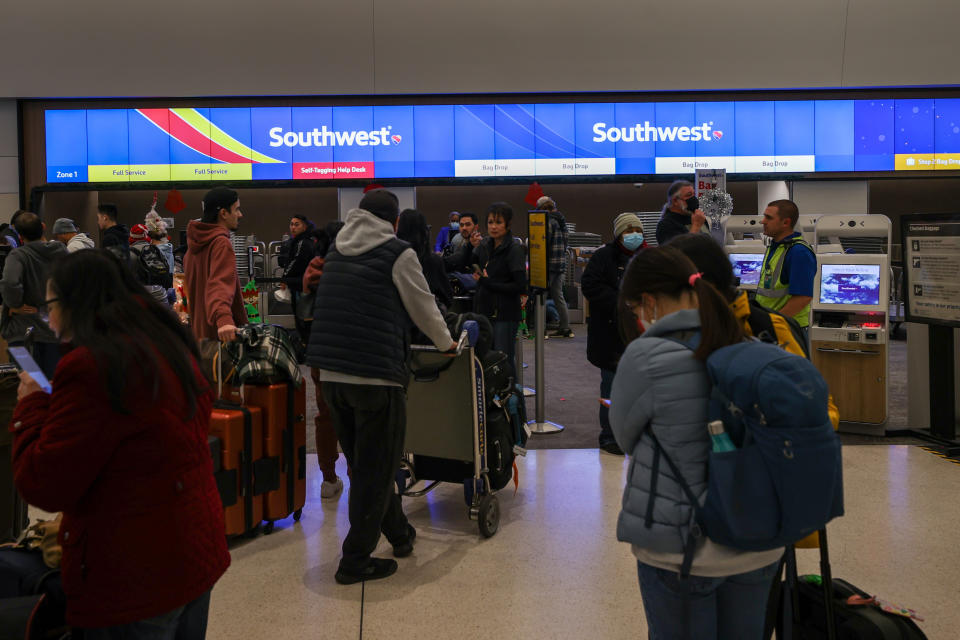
x=538, y=249
x=212, y=171
x=948, y=161
x=915, y=161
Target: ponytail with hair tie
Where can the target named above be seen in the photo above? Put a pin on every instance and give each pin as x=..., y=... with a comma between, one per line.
x=692, y=281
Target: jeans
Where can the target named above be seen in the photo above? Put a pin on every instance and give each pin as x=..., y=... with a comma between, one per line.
x=606, y=386
x=505, y=337
x=371, y=423
x=188, y=622
x=556, y=294
x=705, y=608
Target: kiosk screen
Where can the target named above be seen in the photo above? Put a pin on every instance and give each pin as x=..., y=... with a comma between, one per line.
x=747, y=267
x=853, y=284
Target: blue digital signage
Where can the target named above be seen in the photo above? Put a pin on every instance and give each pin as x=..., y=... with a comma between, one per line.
x=501, y=140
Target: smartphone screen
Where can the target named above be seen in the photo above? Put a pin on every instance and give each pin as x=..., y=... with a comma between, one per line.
x=26, y=362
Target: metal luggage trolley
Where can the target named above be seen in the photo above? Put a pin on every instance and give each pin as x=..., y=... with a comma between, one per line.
x=446, y=437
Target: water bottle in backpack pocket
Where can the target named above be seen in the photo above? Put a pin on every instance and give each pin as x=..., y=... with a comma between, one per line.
x=784, y=479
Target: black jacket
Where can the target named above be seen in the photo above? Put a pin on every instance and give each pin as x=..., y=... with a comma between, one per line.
x=498, y=295
x=460, y=260
x=600, y=284
x=363, y=329
x=671, y=225
x=295, y=256
x=118, y=236
x=436, y=276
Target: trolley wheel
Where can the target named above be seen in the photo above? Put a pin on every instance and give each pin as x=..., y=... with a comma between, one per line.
x=268, y=528
x=489, y=515
x=297, y=515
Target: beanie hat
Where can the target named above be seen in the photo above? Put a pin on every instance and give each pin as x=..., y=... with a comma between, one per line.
x=624, y=221
x=381, y=203
x=64, y=225
x=218, y=198
x=138, y=233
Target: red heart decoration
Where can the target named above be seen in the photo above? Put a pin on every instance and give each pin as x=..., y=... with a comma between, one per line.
x=396, y=139
x=718, y=134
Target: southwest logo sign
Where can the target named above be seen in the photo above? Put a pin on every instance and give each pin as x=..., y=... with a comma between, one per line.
x=324, y=137
x=648, y=133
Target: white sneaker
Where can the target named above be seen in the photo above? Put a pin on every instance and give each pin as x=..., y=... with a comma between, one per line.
x=331, y=490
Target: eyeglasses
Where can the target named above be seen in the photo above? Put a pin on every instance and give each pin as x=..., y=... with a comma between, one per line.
x=46, y=303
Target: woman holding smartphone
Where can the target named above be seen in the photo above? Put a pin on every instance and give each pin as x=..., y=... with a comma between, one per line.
x=120, y=447
x=501, y=275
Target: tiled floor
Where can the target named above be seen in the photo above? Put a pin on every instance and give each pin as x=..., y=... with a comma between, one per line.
x=555, y=569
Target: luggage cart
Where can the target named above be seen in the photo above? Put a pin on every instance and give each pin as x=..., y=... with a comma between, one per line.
x=446, y=437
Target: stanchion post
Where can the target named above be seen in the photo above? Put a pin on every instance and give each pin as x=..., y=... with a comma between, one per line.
x=538, y=244
x=519, y=364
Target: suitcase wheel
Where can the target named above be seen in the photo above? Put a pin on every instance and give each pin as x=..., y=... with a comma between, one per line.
x=297, y=515
x=268, y=528
x=489, y=515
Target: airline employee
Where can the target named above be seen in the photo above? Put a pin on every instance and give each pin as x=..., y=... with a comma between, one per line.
x=789, y=265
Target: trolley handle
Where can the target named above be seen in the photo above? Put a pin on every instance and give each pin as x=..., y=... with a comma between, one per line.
x=468, y=337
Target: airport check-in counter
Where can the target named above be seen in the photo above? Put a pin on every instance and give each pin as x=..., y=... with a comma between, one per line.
x=849, y=333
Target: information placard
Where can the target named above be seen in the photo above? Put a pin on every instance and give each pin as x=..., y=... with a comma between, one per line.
x=537, y=249
x=931, y=249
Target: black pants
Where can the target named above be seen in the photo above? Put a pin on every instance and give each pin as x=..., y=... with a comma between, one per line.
x=371, y=422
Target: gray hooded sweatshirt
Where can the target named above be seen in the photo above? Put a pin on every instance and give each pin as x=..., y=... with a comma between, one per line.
x=363, y=232
x=25, y=283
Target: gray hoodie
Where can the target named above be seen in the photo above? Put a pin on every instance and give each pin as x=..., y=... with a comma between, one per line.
x=363, y=232
x=79, y=241
x=25, y=283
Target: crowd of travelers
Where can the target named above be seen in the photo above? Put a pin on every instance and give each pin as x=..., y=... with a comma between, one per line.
x=119, y=447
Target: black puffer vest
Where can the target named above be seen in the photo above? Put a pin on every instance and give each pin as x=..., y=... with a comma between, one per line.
x=360, y=326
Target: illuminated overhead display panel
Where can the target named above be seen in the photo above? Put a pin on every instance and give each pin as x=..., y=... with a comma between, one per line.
x=500, y=140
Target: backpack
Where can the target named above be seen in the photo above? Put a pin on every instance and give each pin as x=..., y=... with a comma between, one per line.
x=500, y=439
x=153, y=268
x=761, y=325
x=784, y=481
x=498, y=374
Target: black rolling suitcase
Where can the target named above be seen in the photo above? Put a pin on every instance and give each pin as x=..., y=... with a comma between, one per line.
x=13, y=510
x=804, y=612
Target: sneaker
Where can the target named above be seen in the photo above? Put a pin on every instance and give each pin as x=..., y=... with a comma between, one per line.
x=377, y=569
x=560, y=333
x=331, y=490
x=612, y=448
x=404, y=549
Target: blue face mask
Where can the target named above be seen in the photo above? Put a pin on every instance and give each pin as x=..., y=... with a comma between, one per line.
x=454, y=226
x=632, y=241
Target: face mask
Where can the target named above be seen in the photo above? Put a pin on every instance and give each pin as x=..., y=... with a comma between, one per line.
x=693, y=203
x=632, y=241
x=454, y=226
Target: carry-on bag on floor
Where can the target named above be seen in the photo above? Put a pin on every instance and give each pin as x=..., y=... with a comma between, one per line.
x=284, y=410
x=240, y=478
x=804, y=611
x=13, y=510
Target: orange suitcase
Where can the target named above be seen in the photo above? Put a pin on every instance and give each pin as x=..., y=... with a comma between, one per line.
x=240, y=431
x=285, y=444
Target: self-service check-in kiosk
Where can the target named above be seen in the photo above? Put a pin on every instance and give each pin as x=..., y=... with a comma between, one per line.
x=850, y=317
x=745, y=246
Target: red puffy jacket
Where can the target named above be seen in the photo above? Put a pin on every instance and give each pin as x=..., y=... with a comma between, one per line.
x=142, y=529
